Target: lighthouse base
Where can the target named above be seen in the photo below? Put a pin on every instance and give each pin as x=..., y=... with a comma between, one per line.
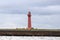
x=29, y=28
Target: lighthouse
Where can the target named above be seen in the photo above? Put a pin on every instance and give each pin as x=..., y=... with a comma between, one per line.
x=29, y=20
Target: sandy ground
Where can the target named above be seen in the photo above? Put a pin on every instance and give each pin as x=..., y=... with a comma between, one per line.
x=28, y=38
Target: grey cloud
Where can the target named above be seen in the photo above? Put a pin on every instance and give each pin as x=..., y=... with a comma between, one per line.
x=44, y=2
x=49, y=10
x=43, y=7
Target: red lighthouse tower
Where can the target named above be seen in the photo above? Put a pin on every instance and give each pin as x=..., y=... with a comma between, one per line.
x=29, y=20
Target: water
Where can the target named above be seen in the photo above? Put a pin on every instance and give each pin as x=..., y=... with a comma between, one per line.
x=28, y=38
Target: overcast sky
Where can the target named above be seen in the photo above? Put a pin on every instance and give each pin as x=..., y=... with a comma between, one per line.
x=45, y=13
